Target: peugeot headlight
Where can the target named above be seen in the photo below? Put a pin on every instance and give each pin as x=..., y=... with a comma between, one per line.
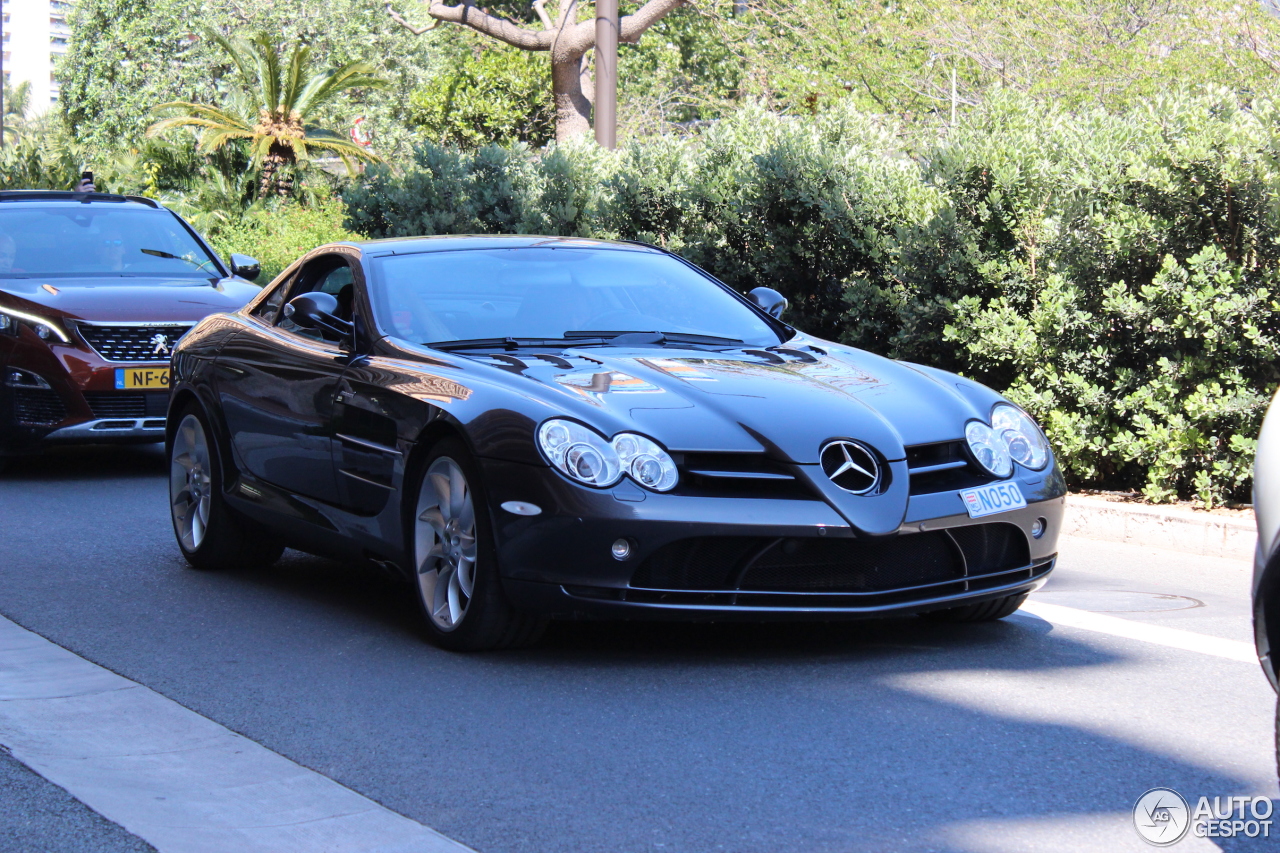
x=588, y=458
x=46, y=329
x=988, y=449
x=1020, y=435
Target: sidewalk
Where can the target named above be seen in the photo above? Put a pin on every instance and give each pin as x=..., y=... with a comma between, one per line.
x=1173, y=527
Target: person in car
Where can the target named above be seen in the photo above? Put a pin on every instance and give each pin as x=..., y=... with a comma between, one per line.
x=111, y=254
x=8, y=253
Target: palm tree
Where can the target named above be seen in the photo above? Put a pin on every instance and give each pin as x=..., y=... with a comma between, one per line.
x=16, y=101
x=272, y=113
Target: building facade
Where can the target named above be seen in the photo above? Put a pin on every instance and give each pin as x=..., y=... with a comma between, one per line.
x=36, y=35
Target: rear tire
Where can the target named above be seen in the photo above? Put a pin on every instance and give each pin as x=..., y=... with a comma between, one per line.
x=210, y=533
x=983, y=611
x=455, y=578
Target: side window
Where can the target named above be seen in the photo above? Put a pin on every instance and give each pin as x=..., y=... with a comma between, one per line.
x=269, y=309
x=328, y=274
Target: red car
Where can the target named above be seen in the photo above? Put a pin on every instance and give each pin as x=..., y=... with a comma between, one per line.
x=95, y=290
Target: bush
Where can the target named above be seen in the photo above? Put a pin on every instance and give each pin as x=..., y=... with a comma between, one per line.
x=1112, y=273
x=278, y=235
x=486, y=93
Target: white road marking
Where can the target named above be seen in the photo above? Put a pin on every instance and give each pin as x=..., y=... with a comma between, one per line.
x=1174, y=638
x=180, y=781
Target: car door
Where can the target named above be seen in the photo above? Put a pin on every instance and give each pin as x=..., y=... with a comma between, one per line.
x=278, y=384
x=365, y=421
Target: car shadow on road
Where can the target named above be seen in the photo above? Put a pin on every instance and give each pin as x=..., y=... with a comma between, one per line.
x=86, y=462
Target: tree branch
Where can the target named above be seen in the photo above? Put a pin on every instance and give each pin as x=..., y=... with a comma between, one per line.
x=480, y=21
x=633, y=26
x=540, y=6
x=417, y=31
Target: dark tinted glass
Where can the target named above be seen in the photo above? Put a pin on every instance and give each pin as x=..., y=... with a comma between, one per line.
x=545, y=292
x=97, y=240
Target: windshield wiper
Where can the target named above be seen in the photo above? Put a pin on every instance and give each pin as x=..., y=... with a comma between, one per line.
x=172, y=257
x=504, y=343
x=654, y=337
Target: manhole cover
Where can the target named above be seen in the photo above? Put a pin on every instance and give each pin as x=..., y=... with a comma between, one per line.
x=1117, y=600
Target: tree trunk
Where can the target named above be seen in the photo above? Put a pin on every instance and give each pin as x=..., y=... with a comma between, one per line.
x=573, y=108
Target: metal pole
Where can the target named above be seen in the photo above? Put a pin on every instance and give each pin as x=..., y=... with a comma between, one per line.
x=606, y=106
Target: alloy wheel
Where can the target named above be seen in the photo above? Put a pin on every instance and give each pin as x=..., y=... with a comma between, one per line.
x=190, y=482
x=445, y=543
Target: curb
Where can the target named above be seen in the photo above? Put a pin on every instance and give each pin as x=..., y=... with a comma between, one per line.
x=1175, y=529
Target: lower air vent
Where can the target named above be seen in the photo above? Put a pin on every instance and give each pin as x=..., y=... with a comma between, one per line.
x=128, y=404
x=769, y=564
x=37, y=407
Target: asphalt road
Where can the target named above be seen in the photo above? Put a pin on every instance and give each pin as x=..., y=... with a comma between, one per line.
x=873, y=736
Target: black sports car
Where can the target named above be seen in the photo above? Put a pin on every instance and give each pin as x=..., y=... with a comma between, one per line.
x=532, y=427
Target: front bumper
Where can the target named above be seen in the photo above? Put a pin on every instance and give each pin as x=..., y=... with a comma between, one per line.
x=68, y=394
x=560, y=561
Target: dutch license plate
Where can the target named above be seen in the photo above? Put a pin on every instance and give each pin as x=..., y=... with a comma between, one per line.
x=142, y=377
x=988, y=500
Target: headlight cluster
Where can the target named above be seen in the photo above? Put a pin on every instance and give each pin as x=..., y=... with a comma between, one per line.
x=586, y=456
x=46, y=329
x=1011, y=437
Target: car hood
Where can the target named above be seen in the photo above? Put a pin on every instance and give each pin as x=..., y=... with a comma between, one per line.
x=128, y=299
x=788, y=400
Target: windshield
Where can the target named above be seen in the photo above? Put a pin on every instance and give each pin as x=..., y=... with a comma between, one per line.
x=543, y=292
x=97, y=240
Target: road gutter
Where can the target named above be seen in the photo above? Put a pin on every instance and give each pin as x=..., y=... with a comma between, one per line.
x=1172, y=528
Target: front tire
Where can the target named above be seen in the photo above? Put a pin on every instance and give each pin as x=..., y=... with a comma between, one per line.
x=983, y=611
x=210, y=533
x=455, y=562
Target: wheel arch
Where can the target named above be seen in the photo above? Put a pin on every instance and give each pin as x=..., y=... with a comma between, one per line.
x=1266, y=618
x=187, y=396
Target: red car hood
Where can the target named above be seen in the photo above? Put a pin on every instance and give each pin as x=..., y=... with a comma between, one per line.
x=127, y=299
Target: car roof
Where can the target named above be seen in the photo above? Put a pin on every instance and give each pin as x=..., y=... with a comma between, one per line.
x=456, y=242
x=64, y=197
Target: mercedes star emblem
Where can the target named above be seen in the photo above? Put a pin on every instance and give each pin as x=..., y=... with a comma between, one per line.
x=850, y=466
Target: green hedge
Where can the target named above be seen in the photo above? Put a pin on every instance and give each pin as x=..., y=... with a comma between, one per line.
x=1112, y=273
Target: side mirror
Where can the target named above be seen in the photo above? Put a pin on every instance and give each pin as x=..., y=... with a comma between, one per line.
x=316, y=310
x=769, y=301
x=245, y=266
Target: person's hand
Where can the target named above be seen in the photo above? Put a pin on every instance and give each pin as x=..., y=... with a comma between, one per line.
x=86, y=186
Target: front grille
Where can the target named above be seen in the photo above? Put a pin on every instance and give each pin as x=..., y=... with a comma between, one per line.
x=134, y=343
x=769, y=564
x=942, y=467
x=37, y=406
x=128, y=404
x=737, y=475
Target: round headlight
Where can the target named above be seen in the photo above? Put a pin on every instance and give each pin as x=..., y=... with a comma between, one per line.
x=646, y=462
x=988, y=449
x=580, y=452
x=585, y=456
x=1020, y=435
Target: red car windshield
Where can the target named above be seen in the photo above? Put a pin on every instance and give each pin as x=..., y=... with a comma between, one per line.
x=71, y=240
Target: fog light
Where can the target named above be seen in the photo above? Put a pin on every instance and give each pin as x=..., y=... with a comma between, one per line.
x=1037, y=527
x=621, y=549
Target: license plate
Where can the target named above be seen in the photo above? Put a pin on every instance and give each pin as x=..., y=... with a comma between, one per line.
x=988, y=500
x=142, y=377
